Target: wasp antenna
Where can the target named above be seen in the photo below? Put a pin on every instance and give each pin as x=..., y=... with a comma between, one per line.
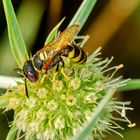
x=26, y=89
x=19, y=71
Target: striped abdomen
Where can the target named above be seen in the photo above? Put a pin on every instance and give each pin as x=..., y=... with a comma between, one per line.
x=77, y=54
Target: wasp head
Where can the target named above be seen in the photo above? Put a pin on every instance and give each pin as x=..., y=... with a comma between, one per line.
x=30, y=72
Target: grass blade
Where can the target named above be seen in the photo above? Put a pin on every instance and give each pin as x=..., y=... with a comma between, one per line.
x=98, y=112
x=83, y=12
x=3, y=102
x=16, y=40
x=12, y=133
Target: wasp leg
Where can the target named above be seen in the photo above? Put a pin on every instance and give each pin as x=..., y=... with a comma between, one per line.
x=43, y=78
x=56, y=72
x=62, y=69
x=83, y=38
x=54, y=76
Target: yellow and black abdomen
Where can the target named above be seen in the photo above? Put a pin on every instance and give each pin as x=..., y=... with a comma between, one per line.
x=77, y=54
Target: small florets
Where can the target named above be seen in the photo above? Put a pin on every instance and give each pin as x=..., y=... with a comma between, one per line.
x=59, y=107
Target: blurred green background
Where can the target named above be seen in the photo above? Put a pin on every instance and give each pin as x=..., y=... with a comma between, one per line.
x=113, y=24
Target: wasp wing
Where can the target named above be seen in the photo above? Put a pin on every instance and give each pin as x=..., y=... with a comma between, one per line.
x=65, y=38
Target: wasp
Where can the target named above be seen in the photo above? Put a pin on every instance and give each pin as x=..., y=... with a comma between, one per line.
x=50, y=55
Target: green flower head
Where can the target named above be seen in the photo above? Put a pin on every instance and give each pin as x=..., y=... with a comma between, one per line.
x=60, y=106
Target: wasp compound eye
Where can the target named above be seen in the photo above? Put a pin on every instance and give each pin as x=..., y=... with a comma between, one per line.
x=30, y=72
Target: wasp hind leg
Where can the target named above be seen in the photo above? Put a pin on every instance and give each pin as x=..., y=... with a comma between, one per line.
x=60, y=60
x=83, y=38
x=62, y=69
x=63, y=73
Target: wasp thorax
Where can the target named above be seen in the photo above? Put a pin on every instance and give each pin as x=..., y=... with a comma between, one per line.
x=38, y=62
x=30, y=72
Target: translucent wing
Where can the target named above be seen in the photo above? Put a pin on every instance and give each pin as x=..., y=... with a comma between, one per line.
x=63, y=39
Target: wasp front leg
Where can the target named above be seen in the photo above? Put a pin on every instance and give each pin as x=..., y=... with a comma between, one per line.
x=55, y=73
x=43, y=78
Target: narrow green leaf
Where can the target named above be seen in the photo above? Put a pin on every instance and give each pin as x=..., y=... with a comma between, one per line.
x=99, y=111
x=131, y=85
x=54, y=32
x=12, y=133
x=3, y=102
x=83, y=12
x=16, y=40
